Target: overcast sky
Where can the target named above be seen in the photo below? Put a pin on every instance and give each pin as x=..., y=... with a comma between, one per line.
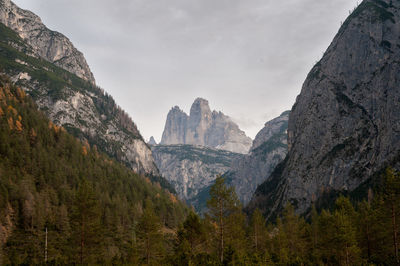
x=249, y=58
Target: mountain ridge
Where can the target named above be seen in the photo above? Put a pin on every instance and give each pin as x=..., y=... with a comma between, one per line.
x=50, y=45
x=345, y=124
x=268, y=150
x=204, y=127
x=84, y=109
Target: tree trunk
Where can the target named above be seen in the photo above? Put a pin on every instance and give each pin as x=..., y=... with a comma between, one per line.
x=394, y=227
x=368, y=242
x=221, y=233
x=256, y=237
x=82, y=240
x=148, y=250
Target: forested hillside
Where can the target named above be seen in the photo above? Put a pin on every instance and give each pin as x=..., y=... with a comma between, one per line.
x=97, y=211
x=83, y=109
x=349, y=233
x=91, y=205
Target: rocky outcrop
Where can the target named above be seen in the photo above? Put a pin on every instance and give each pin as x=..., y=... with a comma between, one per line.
x=175, y=127
x=345, y=124
x=83, y=109
x=204, y=127
x=268, y=150
x=152, y=141
x=45, y=43
x=191, y=168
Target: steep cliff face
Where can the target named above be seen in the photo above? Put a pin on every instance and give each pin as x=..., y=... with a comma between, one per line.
x=204, y=127
x=83, y=109
x=268, y=150
x=191, y=168
x=47, y=44
x=345, y=124
x=175, y=127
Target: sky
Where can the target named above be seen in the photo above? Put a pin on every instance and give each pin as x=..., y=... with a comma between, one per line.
x=248, y=58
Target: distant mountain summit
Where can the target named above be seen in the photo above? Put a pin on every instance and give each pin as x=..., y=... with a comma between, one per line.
x=204, y=127
x=152, y=141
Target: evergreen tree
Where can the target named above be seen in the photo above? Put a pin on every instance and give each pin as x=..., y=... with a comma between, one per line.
x=190, y=240
x=86, y=226
x=150, y=237
x=222, y=204
x=391, y=196
x=291, y=238
x=314, y=234
x=365, y=225
x=348, y=253
x=258, y=232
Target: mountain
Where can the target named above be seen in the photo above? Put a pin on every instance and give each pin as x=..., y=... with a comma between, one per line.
x=47, y=44
x=345, y=124
x=48, y=177
x=268, y=150
x=191, y=168
x=56, y=75
x=152, y=141
x=204, y=127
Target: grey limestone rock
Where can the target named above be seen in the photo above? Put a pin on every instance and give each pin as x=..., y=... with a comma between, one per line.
x=191, y=168
x=79, y=106
x=268, y=150
x=204, y=127
x=152, y=141
x=45, y=43
x=345, y=124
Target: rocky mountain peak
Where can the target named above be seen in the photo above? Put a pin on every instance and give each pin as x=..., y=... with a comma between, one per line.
x=345, y=124
x=152, y=141
x=204, y=127
x=59, y=85
x=271, y=128
x=268, y=150
x=200, y=106
x=47, y=44
x=175, y=127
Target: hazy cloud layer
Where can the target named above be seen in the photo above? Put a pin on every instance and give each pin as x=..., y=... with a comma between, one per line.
x=249, y=58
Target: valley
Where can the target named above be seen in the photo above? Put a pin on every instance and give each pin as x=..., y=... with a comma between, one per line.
x=318, y=184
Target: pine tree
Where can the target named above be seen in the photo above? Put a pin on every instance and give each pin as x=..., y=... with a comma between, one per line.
x=86, y=224
x=348, y=252
x=365, y=224
x=293, y=235
x=190, y=240
x=222, y=204
x=150, y=237
x=391, y=199
x=258, y=235
x=314, y=234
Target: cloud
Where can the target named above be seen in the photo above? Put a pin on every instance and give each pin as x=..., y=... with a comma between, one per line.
x=248, y=57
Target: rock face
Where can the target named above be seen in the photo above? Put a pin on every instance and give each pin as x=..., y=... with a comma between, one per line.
x=152, y=141
x=47, y=44
x=204, y=127
x=345, y=124
x=79, y=106
x=268, y=150
x=191, y=168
